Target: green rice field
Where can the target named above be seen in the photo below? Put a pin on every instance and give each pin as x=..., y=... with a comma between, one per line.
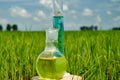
x=93, y=55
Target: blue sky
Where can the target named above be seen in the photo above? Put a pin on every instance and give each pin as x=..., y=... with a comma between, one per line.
x=37, y=14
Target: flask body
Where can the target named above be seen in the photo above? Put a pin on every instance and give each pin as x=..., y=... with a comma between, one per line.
x=52, y=67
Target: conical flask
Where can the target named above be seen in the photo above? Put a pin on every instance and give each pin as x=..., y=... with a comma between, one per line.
x=51, y=63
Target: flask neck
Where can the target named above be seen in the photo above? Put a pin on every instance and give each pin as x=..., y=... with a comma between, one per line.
x=51, y=46
x=51, y=39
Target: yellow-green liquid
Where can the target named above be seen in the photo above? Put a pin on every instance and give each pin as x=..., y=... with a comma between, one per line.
x=52, y=68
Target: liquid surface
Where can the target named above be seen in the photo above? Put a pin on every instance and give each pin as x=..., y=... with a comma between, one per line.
x=52, y=68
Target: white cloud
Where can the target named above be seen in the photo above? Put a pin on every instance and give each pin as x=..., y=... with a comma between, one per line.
x=73, y=11
x=117, y=18
x=65, y=7
x=10, y=0
x=36, y=18
x=87, y=12
x=41, y=14
x=75, y=16
x=3, y=21
x=46, y=3
x=98, y=20
x=71, y=26
x=109, y=12
x=115, y=0
x=18, y=11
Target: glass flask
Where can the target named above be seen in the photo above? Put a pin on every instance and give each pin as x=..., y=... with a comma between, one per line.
x=51, y=63
x=58, y=22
